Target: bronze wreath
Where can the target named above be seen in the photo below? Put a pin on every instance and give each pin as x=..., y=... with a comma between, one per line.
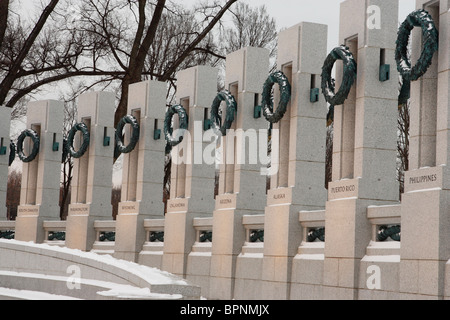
x=86, y=140
x=36, y=144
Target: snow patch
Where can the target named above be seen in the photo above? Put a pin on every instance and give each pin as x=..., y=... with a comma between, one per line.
x=32, y=295
x=142, y=293
x=389, y=258
x=385, y=245
x=316, y=245
x=112, y=289
x=311, y=257
x=426, y=190
x=152, y=275
x=385, y=206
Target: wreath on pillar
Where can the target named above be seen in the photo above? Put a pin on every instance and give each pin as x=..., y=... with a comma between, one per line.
x=168, y=128
x=82, y=127
x=220, y=127
x=267, y=97
x=36, y=145
x=418, y=18
x=328, y=83
x=135, y=134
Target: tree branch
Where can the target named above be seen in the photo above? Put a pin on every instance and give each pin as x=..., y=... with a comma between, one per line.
x=148, y=40
x=210, y=52
x=139, y=34
x=87, y=73
x=4, y=10
x=8, y=81
x=194, y=44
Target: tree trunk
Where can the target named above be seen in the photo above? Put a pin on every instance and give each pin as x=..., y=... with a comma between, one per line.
x=4, y=10
x=8, y=81
x=138, y=55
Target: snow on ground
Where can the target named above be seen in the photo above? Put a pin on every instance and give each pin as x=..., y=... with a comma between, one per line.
x=31, y=295
x=152, y=275
x=112, y=289
x=138, y=293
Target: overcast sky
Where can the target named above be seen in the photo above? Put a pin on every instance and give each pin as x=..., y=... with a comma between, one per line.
x=290, y=12
x=286, y=13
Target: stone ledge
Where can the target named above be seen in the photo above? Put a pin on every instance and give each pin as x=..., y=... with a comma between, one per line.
x=54, y=261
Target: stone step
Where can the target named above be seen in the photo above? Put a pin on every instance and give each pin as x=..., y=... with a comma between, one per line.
x=85, y=275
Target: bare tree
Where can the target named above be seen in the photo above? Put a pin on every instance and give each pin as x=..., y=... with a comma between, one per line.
x=70, y=114
x=115, y=199
x=13, y=194
x=329, y=156
x=4, y=11
x=251, y=26
x=15, y=47
x=403, y=124
x=114, y=43
x=111, y=40
x=153, y=48
x=175, y=39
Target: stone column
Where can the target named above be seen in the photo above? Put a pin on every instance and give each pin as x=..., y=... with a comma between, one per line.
x=365, y=135
x=241, y=186
x=425, y=242
x=143, y=170
x=299, y=183
x=5, y=123
x=39, y=195
x=92, y=173
x=192, y=180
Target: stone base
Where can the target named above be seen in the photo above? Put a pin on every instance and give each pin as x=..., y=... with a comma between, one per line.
x=425, y=233
x=198, y=266
x=307, y=275
x=348, y=234
x=387, y=267
x=221, y=284
x=29, y=225
x=130, y=234
x=248, y=272
x=282, y=237
x=228, y=239
x=179, y=237
x=80, y=232
x=152, y=255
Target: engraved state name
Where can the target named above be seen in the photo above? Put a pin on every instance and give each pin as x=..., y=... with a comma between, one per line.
x=79, y=209
x=423, y=179
x=128, y=207
x=28, y=210
x=342, y=189
x=177, y=205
